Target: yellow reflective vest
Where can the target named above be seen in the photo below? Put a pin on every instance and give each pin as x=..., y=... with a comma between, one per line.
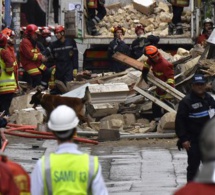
x=180, y=3
x=7, y=81
x=69, y=173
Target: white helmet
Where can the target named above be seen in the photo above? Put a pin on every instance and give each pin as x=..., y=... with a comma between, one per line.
x=207, y=20
x=207, y=141
x=63, y=118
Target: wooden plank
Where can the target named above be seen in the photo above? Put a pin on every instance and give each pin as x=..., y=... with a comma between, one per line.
x=128, y=60
x=139, y=65
x=159, y=83
x=154, y=99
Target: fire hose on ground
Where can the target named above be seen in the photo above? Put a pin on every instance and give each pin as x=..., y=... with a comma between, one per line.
x=29, y=131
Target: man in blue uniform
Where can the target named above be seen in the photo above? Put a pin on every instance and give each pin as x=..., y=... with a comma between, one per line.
x=194, y=111
x=65, y=54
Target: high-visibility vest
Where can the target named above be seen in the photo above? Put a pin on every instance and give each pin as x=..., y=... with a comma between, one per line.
x=92, y=4
x=68, y=173
x=180, y=3
x=7, y=82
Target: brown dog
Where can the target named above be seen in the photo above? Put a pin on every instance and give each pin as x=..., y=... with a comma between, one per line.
x=50, y=102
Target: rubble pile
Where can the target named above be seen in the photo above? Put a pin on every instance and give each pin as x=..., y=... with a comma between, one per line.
x=114, y=102
x=155, y=23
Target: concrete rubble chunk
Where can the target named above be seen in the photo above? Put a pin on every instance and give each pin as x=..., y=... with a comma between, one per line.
x=108, y=93
x=32, y=117
x=114, y=121
x=102, y=110
x=20, y=102
x=108, y=135
x=129, y=119
x=167, y=122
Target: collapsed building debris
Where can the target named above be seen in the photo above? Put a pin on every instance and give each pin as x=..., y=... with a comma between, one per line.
x=118, y=101
x=155, y=17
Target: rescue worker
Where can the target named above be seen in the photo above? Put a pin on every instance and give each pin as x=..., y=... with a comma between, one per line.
x=138, y=45
x=207, y=30
x=118, y=45
x=10, y=34
x=204, y=182
x=20, y=176
x=175, y=27
x=68, y=170
x=46, y=41
x=8, y=84
x=194, y=111
x=65, y=53
x=7, y=184
x=163, y=70
x=32, y=59
x=96, y=12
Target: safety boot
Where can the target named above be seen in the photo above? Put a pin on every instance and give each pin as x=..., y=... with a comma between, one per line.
x=171, y=28
x=179, y=29
x=90, y=25
x=95, y=32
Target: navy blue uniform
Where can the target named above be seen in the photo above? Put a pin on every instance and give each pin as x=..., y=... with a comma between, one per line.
x=118, y=46
x=137, y=47
x=66, y=59
x=192, y=115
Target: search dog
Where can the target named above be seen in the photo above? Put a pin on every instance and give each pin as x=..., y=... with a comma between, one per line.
x=50, y=102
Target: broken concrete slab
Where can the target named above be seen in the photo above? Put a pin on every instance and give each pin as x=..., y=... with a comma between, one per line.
x=129, y=119
x=102, y=110
x=32, y=117
x=108, y=93
x=167, y=122
x=21, y=102
x=114, y=121
x=108, y=135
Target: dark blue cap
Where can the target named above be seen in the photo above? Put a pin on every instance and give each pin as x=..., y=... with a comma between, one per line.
x=198, y=78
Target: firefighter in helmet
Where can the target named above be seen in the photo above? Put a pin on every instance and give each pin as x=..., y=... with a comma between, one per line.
x=163, y=70
x=118, y=45
x=207, y=30
x=65, y=53
x=32, y=59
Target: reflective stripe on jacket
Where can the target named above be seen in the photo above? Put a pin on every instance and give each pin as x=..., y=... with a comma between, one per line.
x=7, y=81
x=69, y=173
x=30, y=57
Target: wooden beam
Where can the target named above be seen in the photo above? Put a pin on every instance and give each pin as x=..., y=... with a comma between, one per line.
x=139, y=65
x=128, y=60
x=154, y=99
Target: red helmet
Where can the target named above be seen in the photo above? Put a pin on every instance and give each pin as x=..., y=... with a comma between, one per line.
x=59, y=29
x=46, y=32
x=151, y=51
x=139, y=27
x=116, y=28
x=8, y=32
x=3, y=40
x=31, y=29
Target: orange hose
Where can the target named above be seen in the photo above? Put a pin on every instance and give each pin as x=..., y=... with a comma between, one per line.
x=4, y=145
x=30, y=129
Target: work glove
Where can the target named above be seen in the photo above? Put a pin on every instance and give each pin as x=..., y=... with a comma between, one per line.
x=179, y=145
x=75, y=72
x=144, y=75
